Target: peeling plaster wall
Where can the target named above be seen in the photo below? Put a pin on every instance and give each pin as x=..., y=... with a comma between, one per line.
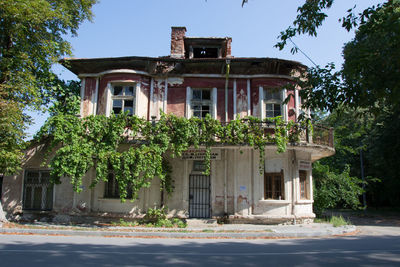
x=156, y=102
x=143, y=94
x=241, y=98
x=13, y=185
x=176, y=97
x=87, y=102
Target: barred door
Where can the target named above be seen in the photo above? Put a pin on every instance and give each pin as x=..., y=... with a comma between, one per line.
x=38, y=191
x=199, y=196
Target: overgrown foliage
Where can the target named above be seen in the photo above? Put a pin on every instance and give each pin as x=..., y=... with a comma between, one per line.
x=370, y=75
x=335, y=188
x=137, y=150
x=32, y=36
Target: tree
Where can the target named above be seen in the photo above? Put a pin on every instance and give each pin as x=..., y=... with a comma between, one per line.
x=363, y=98
x=32, y=39
x=371, y=72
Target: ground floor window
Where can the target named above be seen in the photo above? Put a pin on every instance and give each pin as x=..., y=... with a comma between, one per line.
x=304, y=186
x=274, y=186
x=112, y=188
x=38, y=190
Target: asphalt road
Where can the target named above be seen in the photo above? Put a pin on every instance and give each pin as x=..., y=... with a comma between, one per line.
x=35, y=250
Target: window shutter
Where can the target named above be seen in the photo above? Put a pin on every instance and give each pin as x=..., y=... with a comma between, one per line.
x=214, y=103
x=188, y=100
x=261, y=102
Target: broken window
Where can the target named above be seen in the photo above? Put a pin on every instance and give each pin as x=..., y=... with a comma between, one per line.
x=201, y=102
x=205, y=52
x=274, y=186
x=38, y=190
x=124, y=99
x=273, y=103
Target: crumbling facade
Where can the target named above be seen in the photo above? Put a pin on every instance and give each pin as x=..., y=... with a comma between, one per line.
x=199, y=77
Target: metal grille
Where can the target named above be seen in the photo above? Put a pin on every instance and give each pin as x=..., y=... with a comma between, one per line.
x=38, y=191
x=199, y=196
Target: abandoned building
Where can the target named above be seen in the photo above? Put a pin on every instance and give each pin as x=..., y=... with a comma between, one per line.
x=191, y=81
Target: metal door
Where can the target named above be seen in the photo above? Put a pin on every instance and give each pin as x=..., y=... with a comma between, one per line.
x=199, y=196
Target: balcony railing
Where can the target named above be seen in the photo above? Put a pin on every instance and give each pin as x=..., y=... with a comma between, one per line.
x=300, y=133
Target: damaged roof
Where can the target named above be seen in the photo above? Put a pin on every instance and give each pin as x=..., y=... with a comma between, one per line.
x=177, y=66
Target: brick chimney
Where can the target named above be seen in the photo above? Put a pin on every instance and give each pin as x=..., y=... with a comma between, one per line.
x=228, y=47
x=177, y=42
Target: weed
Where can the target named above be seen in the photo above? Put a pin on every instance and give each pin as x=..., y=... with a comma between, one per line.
x=338, y=221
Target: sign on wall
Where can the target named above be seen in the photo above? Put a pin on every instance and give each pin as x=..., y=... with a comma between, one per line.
x=305, y=165
x=199, y=154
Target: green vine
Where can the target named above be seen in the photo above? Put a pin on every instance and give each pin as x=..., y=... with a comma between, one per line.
x=136, y=150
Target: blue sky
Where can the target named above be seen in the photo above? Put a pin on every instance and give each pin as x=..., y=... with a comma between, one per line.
x=142, y=28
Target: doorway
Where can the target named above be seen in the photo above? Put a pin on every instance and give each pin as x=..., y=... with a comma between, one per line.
x=199, y=196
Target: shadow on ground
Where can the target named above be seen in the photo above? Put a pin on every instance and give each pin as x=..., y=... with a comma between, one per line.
x=70, y=251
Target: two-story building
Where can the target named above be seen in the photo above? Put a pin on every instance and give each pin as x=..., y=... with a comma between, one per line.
x=199, y=77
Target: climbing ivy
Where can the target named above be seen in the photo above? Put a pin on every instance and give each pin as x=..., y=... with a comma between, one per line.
x=136, y=150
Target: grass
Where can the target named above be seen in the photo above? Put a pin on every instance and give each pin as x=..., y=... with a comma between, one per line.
x=336, y=221
x=164, y=223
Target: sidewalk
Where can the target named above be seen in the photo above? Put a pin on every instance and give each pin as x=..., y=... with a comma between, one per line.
x=241, y=231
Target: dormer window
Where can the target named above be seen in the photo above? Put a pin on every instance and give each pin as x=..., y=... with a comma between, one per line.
x=206, y=52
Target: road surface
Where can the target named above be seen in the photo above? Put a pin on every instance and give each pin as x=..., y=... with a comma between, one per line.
x=36, y=250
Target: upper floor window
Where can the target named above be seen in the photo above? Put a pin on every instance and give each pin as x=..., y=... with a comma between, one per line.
x=123, y=98
x=201, y=102
x=206, y=52
x=273, y=99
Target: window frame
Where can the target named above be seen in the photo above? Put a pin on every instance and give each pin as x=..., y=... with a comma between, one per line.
x=111, y=97
x=114, y=192
x=304, y=186
x=270, y=194
x=273, y=101
x=45, y=204
x=190, y=102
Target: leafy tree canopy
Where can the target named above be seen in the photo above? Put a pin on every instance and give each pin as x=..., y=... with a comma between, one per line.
x=32, y=36
x=370, y=74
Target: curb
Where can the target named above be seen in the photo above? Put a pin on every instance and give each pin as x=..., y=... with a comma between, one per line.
x=233, y=235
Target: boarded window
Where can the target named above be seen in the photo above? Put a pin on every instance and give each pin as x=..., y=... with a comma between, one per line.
x=38, y=191
x=274, y=186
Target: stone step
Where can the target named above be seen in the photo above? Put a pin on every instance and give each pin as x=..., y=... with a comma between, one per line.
x=201, y=222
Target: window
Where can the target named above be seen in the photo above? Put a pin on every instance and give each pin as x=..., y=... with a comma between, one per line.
x=38, y=190
x=205, y=52
x=112, y=188
x=274, y=186
x=273, y=103
x=199, y=166
x=124, y=98
x=201, y=102
x=304, y=192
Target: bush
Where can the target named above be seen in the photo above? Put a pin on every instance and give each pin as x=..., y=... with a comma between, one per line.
x=333, y=189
